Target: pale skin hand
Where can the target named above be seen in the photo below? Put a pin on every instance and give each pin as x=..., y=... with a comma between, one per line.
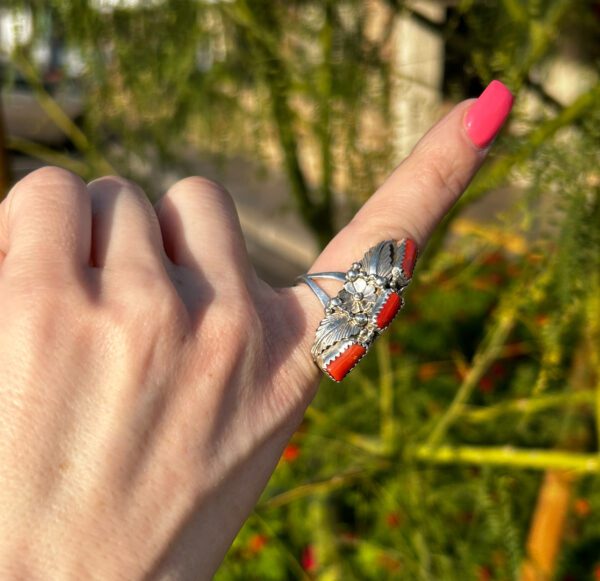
x=149, y=381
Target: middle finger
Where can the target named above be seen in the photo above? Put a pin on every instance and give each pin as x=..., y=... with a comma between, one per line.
x=125, y=229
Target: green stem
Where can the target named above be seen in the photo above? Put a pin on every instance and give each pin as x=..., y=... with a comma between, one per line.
x=50, y=156
x=257, y=21
x=54, y=111
x=319, y=521
x=497, y=172
x=323, y=486
x=528, y=405
x=593, y=339
x=367, y=444
x=487, y=353
x=282, y=546
x=325, y=87
x=509, y=457
x=542, y=33
x=530, y=459
x=386, y=395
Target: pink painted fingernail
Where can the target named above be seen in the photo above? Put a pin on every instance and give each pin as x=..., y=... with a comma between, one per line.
x=487, y=115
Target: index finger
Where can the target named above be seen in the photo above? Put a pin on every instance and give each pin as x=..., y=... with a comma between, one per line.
x=416, y=195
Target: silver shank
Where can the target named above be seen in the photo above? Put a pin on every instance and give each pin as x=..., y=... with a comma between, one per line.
x=323, y=297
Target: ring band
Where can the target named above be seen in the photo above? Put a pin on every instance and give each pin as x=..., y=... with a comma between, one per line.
x=366, y=304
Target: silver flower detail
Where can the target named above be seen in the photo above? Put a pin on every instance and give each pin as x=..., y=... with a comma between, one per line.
x=361, y=295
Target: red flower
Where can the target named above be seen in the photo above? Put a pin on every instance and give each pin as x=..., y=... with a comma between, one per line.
x=597, y=572
x=396, y=348
x=582, y=507
x=256, y=543
x=481, y=283
x=308, y=560
x=291, y=452
x=535, y=258
x=392, y=519
x=389, y=563
x=465, y=517
x=486, y=385
x=493, y=258
x=427, y=371
x=498, y=370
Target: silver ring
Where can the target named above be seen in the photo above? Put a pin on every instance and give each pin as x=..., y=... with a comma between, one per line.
x=367, y=303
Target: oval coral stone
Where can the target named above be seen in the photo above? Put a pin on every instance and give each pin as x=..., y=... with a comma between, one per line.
x=340, y=366
x=410, y=257
x=389, y=310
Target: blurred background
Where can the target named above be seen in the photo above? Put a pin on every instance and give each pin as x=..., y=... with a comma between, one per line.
x=467, y=445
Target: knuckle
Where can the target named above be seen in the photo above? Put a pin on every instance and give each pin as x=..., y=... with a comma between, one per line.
x=441, y=172
x=384, y=224
x=198, y=188
x=165, y=313
x=377, y=220
x=50, y=175
x=47, y=303
x=243, y=317
x=116, y=183
x=234, y=331
x=48, y=183
x=107, y=190
x=239, y=314
x=157, y=313
x=194, y=183
x=144, y=280
x=113, y=186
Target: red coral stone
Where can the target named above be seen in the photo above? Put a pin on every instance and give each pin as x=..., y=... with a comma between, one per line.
x=340, y=366
x=410, y=257
x=389, y=310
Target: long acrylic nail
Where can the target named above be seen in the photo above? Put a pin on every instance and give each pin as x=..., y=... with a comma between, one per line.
x=487, y=115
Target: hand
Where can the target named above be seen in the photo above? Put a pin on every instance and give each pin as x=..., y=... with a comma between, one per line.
x=149, y=381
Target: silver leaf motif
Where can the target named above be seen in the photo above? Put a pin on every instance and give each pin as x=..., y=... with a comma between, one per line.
x=334, y=328
x=378, y=260
x=397, y=266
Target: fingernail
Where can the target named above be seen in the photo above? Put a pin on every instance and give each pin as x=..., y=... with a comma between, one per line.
x=487, y=115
